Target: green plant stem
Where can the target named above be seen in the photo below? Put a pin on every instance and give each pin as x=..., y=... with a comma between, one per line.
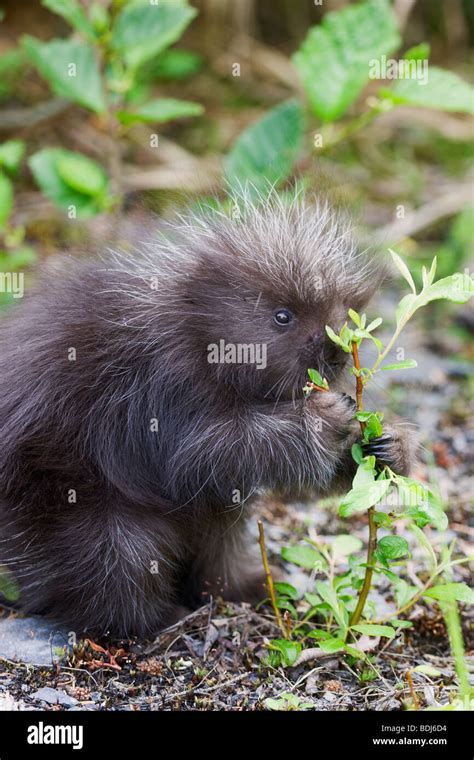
x=335, y=136
x=269, y=579
x=452, y=619
x=372, y=545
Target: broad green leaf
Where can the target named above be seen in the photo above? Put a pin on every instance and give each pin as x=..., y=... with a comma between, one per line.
x=457, y=287
x=45, y=171
x=344, y=545
x=450, y=592
x=373, y=427
x=289, y=650
x=427, y=670
x=174, y=63
x=406, y=364
x=335, y=644
x=303, y=556
x=265, y=152
x=6, y=199
x=372, y=629
x=141, y=31
x=328, y=595
x=161, y=110
x=11, y=153
x=334, y=60
x=418, y=53
x=360, y=499
x=392, y=547
x=82, y=174
x=428, y=512
x=365, y=473
x=72, y=12
x=403, y=269
x=70, y=68
x=286, y=589
x=444, y=91
x=285, y=604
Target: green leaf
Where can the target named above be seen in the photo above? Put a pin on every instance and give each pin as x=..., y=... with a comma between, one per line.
x=426, y=545
x=355, y=317
x=12, y=65
x=70, y=68
x=401, y=623
x=418, y=53
x=360, y=499
x=328, y=595
x=444, y=91
x=17, y=259
x=287, y=702
x=161, y=110
x=372, y=629
x=403, y=269
x=286, y=589
x=175, y=63
x=427, y=670
x=44, y=167
x=100, y=18
x=405, y=364
x=82, y=174
x=357, y=453
x=457, y=287
x=6, y=199
x=8, y=585
x=303, y=556
x=141, y=31
x=11, y=153
x=392, y=547
x=451, y=592
x=335, y=644
x=375, y=323
x=72, y=12
x=265, y=152
x=316, y=378
x=333, y=61
x=365, y=473
x=335, y=338
x=289, y=650
x=373, y=427
x=344, y=545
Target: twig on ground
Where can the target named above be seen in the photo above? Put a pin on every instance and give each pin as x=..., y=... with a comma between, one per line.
x=269, y=579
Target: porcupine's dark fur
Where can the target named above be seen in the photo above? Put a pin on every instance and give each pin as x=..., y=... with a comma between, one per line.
x=127, y=473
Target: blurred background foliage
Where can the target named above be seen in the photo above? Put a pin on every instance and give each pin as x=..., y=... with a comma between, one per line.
x=169, y=103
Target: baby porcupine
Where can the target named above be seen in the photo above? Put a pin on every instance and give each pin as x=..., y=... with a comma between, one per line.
x=134, y=436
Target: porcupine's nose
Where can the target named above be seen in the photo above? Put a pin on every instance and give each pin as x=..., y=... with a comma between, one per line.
x=316, y=338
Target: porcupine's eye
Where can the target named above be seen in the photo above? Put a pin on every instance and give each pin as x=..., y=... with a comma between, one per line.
x=283, y=317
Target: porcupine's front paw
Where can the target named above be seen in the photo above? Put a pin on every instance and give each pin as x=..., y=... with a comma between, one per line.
x=396, y=447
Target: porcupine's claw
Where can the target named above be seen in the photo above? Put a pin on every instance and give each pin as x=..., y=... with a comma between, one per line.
x=379, y=447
